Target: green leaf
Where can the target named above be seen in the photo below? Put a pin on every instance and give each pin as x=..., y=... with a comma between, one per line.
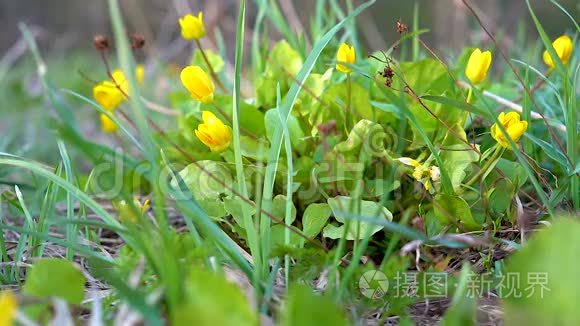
x=210, y=299
x=51, y=277
x=457, y=158
x=251, y=122
x=315, y=218
x=449, y=207
x=342, y=207
x=363, y=136
x=304, y=308
x=279, y=208
x=501, y=195
x=549, y=259
x=215, y=60
x=513, y=171
x=234, y=205
x=206, y=179
x=277, y=236
x=282, y=62
x=254, y=148
x=272, y=122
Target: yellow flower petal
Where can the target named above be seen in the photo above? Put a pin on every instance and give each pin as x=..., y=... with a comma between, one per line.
x=8, y=308
x=515, y=128
x=198, y=83
x=213, y=132
x=345, y=54
x=564, y=48
x=108, y=95
x=478, y=66
x=192, y=27
x=108, y=125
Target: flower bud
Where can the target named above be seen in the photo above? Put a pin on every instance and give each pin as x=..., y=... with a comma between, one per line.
x=478, y=65
x=564, y=48
x=345, y=54
x=198, y=83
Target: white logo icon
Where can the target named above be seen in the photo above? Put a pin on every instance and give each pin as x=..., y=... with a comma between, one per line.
x=373, y=284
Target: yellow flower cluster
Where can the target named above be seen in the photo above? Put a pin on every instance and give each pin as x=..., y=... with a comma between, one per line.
x=425, y=174
x=111, y=93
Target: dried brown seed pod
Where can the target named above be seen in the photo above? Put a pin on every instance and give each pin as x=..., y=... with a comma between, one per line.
x=100, y=42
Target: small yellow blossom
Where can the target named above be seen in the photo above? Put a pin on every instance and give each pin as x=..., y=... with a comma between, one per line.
x=108, y=125
x=8, y=307
x=564, y=48
x=424, y=174
x=478, y=65
x=214, y=133
x=513, y=126
x=126, y=213
x=420, y=173
x=198, y=83
x=192, y=27
x=345, y=54
x=110, y=94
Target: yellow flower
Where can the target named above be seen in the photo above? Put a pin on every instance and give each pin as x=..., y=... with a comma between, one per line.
x=192, y=27
x=426, y=175
x=198, y=83
x=108, y=125
x=478, y=65
x=513, y=126
x=564, y=48
x=8, y=307
x=110, y=94
x=126, y=212
x=214, y=133
x=420, y=173
x=345, y=54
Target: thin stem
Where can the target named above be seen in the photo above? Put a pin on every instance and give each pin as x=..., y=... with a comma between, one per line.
x=210, y=67
x=496, y=155
x=348, y=101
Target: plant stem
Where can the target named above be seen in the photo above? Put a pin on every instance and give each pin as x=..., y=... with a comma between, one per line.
x=348, y=103
x=209, y=66
x=491, y=162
